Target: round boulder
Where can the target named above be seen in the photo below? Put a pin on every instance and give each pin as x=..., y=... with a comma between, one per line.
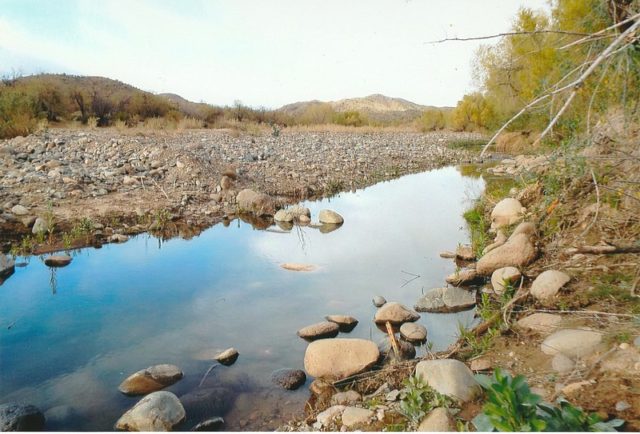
x=548, y=284
x=283, y=216
x=395, y=313
x=58, y=261
x=573, y=343
x=506, y=212
x=414, y=333
x=379, y=301
x=450, y=377
x=345, y=323
x=319, y=330
x=290, y=379
x=540, y=322
x=227, y=357
x=504, y=276
x=339, y=358
x=158, y=411
x=518, y=251
x=150, y=379
x=330, y=217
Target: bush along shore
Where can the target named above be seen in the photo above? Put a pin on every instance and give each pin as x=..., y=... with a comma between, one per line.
x=552, y=271
x=63, y=189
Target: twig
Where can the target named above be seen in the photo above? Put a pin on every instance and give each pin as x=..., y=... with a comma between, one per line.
x=161, y=189
x=607, y=250
x=632, y=18
x=392, y=338
x=500, y=35
x=585, y=312
x=211, y=368
x=595, y=216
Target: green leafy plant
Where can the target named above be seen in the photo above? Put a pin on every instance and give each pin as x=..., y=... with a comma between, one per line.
x=511, y=406
x=419, y=399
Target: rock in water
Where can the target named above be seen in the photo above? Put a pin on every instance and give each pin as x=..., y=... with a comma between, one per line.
x=346, y=323
x=339, y=358
x=58, y=261
x=414, y=333
x=292, y=266
x=450, y=299
x=227, y=357
x=466, y=276
x=213, y=424
x=449, y=377
x=7, y=267
x=504, y=276
x=331, y=217
x=15, y=417
x=506, y=212
x=573, y=343
x=438, y=420
x=548, y=283
x=395, y=313
x=150, y=380
x=379, y=301
x=203, y=403
x=290, y=379
x=158, y=411
x=465, y=253
x=283, y=216
x=319, y=330
x=518, y=251
x=257, y=203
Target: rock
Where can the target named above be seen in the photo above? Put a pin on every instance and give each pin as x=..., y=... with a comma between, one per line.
x=624, y=361
x=304, y=220
x=226, y=183
x=352, y=416
x=202, y=403
x=438, y=420
x=7, y=266
x=57, y=260
x=574, y=343
x=129, y=180
x=283, y=216
x=213, y=424
x=481, y=364
x=465, y=253
x=19, y=210
x=321, y=387
x=449, y=377
x=345, y=323
x=526, y=228
x=329, y=415
x=636, y=341
x=548, y=283
x=118, y=238
x=291, y=266
x=518, y=251
x=290, y=379
x=506, y=212
x=227, y=357
x=407, y=350
x=504, y=276
x=540, y=322
x=339, y=358
x=346, y=398
x=562, y=364
x=39, y=226
x=395, y=313
x=379, y=301
x=299, y=211
x=256, y=203
x=499, y=240
x=331, y=217
x=158, y=411
x=450, y=299
x=326, y=228
x=15, y=417
x=622, y=406
x=319, y=330
x=447, y=255
x=414, y=333
x=572, y=388
x=465, y=276
x=529, y=194
x=150, y=380
x=392, y=396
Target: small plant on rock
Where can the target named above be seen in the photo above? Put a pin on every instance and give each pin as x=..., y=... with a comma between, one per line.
x=419, y=399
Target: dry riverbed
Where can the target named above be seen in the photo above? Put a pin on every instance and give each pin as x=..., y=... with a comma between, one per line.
x=81, y=187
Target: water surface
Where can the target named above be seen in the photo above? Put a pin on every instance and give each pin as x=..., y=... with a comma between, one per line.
x=69, y=336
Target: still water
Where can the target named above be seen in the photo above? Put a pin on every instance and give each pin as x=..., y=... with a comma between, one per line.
x=68, y=337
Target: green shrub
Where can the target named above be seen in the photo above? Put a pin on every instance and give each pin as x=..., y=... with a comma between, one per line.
x=419, y=399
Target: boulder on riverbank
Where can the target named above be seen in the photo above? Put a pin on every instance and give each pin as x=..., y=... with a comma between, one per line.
x=506, y=212
x=327, y=216
x=158, y=411
x=150, y=379
x=518, y=251
x=340, y=358
x=259, y=204
x=548, y=284
x=450, y=377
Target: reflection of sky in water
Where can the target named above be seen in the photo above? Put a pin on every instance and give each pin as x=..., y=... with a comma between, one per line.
x=125, y=307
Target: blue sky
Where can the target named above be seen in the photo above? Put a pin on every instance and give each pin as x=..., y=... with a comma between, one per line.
x=264, y=53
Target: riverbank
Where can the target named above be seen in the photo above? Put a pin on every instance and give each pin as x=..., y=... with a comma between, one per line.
x=84, y=186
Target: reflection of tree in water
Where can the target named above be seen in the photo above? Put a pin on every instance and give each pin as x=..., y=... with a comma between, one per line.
x=53, y=281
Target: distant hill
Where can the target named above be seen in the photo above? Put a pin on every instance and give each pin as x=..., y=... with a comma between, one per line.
x=376, y=107
x=193, y=109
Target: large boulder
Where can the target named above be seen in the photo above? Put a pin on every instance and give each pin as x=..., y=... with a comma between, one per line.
x=450, y=299
x=330, y=217
x=340, y=358
x=395, y=313
x=504, y=276
x=506, y=212
x=256, y=203
x=573, y=343
x=548, y=283
x=450, y=377
x=150, y=379
x=158, y=411
x=518, y=252
x=15, y=417
x=325, y=329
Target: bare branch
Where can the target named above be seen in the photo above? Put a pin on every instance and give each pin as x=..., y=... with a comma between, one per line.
x=501, y=35
x=621, y=23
